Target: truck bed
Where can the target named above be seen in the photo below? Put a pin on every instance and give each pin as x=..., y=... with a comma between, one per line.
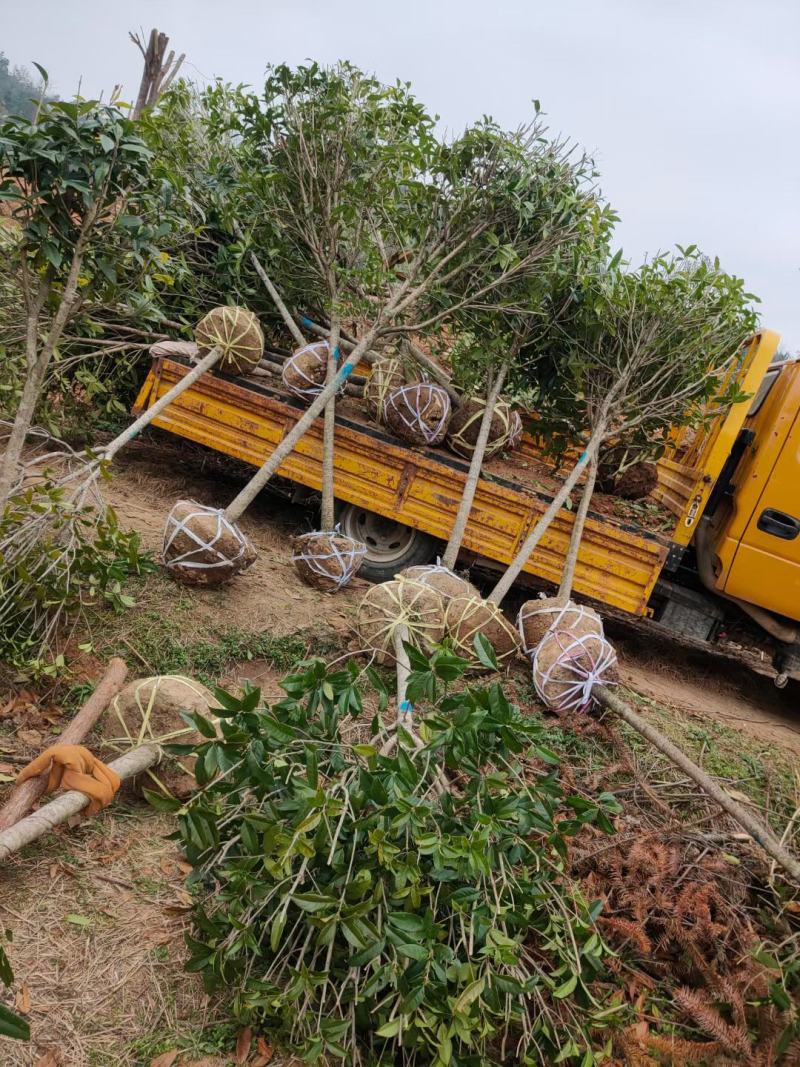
x=618, y=564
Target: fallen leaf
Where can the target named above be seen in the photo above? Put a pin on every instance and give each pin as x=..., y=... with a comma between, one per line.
x=30, y=737
x=185, y=868
x=167, y=867
x=243, y=1042
x=50, y=1059
x=793, y=906
x=166, y=1059
x=23, y=1001
x=265, y=1053
x=78, y=920
x=7, y=768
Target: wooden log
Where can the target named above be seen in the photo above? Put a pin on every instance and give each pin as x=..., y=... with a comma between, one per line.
x=757, y=830
x=71, y=802
x=25, y=795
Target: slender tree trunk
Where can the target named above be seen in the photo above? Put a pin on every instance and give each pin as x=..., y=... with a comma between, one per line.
x=25, y=795
x=571, y=562
x=760, y=833
x=71, y=802
x=541, y=527
x=38, y=359
x=329, y=434
x=244, y=499
x=135, y=428
x=435, y=371
x=284, y=312
x=468, y=496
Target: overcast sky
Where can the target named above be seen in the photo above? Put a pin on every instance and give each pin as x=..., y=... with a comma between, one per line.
x=691, y=107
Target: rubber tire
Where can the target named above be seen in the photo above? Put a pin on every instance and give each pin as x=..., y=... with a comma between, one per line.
x=421, y=549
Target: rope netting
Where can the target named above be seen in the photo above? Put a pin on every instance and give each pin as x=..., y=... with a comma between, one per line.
x=419, y=412
x=515, y=431
x=386, y=375
x=466, y=423
x=199, y=540
x=468, y=616
x=304, y=372
x=236, y=332
x=537, y=617
x=566, y=669
x=401, y=602
x=331, y=557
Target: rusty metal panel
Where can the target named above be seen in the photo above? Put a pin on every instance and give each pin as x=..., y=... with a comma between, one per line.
x=618, y=565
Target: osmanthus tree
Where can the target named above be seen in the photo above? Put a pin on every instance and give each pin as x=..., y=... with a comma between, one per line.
x=648, y=349
x=385, y=214
x=556, y=223
x=70, y=178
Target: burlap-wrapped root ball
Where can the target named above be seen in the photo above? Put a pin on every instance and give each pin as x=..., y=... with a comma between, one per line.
x=149, y=709
x=236, y=332
x=400, y=602
x=418, y=413
x=327, y=561
x=387, y=374
x=465, y=425
x=536, y=617
x=441, y=579
x=566, y=669
x=201, y=547
x=636, y=482
x=304, y=372
x=467, y=616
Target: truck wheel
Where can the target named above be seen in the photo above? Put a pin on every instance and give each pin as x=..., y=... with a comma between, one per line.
x=391, y=546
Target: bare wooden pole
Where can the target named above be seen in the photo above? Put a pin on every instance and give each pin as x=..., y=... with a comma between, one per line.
x=571, y=562
x=158, y=73
x=759, y=831
x=25, y=795
x=71, y=802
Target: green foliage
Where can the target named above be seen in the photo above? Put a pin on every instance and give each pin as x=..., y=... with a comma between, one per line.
x=361, y=912
x=77, y=556
x=11, y=1024
x=647, y=349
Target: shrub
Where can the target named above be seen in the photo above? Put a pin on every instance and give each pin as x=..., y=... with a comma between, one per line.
x=358, y=909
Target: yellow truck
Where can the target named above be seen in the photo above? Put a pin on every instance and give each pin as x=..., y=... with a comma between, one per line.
x=731, y=491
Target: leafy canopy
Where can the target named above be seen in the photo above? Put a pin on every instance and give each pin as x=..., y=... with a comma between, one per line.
x=362, y=914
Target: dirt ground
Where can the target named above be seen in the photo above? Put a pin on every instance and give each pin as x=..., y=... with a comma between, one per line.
x=99, y=911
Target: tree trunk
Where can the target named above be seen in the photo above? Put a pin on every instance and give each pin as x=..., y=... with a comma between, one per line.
x=329, y=435
x=571, y=562
x=245, y=498
x=468, y=496
x=34, y=380
x=759, y=832
x=71, y=802
x=541, y=527
x=135, y=428
x=25, y=795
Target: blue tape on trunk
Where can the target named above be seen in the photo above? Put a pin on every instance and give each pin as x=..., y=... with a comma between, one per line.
x=347, y=370
x=406, y=705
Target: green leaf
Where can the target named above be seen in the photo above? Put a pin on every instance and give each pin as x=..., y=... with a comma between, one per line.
x=485, y=652
x=566, y=988
x=78, y=920
x=413, y=952
x=390, y=1029
x=160, y=802
x=471, y=993
x=13, y=1025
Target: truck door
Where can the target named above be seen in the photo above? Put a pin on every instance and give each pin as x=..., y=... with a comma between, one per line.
x=766, y=566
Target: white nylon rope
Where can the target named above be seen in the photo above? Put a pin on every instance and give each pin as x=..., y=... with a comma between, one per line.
x=570, y=608
x=400, y=403
x=575, y=693
x=502, y=411
x=174, y=527
x=347, y=560
x=320, y=350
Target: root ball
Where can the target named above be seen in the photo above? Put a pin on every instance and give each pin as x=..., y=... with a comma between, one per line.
x=566, y=668
x=387, y=374
x=536, y=617
x=467, y=616
x=327, y=561
x=418, y=413
x=201, y=547
x=441, y=579
x=401, y=602
x=237, y=332
x=465, y=425
x=304, y=372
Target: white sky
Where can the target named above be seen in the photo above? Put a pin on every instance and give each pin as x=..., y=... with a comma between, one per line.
x=691, y=107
